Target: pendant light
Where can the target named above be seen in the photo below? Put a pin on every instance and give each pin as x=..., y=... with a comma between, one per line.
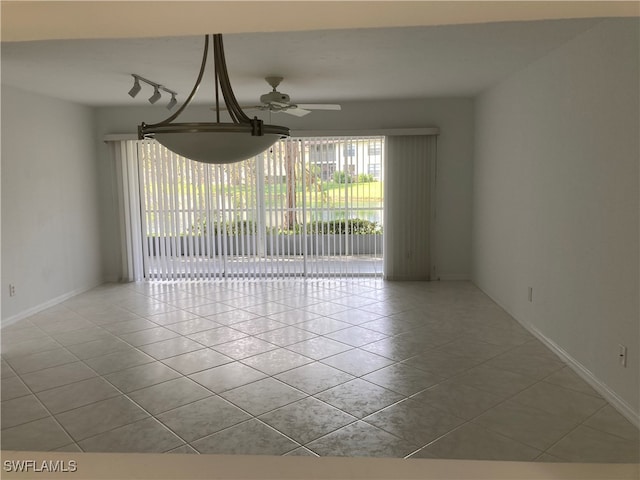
x=215, y=142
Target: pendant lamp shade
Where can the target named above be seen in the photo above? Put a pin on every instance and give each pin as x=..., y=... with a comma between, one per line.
x=217, y=146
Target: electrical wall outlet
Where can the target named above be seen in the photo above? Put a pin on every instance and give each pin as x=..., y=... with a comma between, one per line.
x=622, y=355
x=531, y=294
x=12, y=290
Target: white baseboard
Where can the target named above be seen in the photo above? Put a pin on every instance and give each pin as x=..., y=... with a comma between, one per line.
x=43, y=306
x=583, y=372
x=454, y=276
x=445, y=277
x=403, y=278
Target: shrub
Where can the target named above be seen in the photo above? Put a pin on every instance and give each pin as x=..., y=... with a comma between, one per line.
x=366, y=178
x=355, y=226
x=340, y=176
x=238, y=227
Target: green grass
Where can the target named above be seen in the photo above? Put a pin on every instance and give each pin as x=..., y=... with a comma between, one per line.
x=331, y=195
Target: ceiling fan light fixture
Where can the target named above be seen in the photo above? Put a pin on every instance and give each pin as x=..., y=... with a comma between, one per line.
x=215, y=142
x=278, y=102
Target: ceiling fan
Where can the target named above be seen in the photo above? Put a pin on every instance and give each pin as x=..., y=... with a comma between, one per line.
x=275, y=101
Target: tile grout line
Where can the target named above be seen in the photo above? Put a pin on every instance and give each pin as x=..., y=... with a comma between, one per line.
x=105, y=379
x=51, y=415
x=312, y=362
x=582, y=424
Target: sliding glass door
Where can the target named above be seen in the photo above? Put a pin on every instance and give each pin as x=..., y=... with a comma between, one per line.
x=306, y=207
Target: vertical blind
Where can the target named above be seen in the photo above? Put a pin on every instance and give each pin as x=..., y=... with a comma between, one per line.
x=125, y=154
x=306, y=207
x=409, y=188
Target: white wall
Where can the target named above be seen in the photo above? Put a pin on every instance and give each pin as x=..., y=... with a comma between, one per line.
x=50, y=223
x=556, y=201
x=454, y=117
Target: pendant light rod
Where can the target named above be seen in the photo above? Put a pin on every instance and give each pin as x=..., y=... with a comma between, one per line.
x=217, y=89
x=225, y=85
x=222, y=79
x=193, y=91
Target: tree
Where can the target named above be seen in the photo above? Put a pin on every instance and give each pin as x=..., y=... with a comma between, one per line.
x=291, y=158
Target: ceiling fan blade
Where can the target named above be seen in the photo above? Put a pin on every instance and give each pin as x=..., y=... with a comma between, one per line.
x=243, y=107
x=319, y=106
x=296, y=111
x=254, y=107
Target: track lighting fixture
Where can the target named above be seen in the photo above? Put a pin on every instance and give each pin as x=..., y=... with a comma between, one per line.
x=157, y=94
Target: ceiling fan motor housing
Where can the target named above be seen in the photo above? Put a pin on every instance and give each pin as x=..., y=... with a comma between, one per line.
x=275, y=97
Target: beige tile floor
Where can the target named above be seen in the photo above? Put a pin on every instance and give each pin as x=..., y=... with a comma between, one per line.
x=334, y=367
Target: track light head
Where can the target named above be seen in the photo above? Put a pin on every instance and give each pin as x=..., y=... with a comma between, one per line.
x=172, y=102
x=156, y=95
x=136, y=88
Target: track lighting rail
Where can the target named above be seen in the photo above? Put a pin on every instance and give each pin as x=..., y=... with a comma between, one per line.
x=156, y=90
